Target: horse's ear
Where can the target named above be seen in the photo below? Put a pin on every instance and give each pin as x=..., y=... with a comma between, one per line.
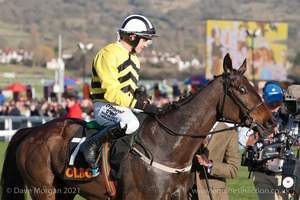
x=227, y=64
x=243, y=67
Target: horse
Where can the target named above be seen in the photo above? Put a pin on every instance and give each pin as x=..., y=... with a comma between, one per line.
x=158, y=165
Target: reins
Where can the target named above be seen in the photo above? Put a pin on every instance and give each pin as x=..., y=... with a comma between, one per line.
x=197, y=135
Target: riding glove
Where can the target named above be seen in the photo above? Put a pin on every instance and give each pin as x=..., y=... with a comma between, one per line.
x=147, y=108
x=140, y=94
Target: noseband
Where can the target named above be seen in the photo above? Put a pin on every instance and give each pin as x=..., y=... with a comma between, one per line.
x=246, y=112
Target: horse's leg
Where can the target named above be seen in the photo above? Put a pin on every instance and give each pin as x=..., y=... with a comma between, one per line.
x=34, y=163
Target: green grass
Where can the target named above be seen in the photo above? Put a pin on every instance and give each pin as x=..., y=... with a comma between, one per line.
x=20, y=69
x=37, y=77
x=239, y=188
x=3, y=146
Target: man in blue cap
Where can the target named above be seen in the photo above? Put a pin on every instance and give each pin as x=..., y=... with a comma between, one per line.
x=273, y=95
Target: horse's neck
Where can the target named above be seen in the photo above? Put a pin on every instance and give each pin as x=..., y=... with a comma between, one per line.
x=204, y=106
x=194, y=117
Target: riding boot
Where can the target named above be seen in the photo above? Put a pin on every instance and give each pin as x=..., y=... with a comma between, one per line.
x=90, y=148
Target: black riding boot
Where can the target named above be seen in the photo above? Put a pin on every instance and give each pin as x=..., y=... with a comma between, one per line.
x=90, y=147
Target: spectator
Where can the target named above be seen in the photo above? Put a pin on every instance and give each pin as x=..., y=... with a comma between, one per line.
x=2, y=97
x=5, y=107
x=157, y=92
x=73, y=106
x=25, y=110
x=53, y=108
x=61, y=111
x=176, y=91
x=13, y=108
x=220, y=160
x=86, y=108
x=44, y=109
x=34, y=109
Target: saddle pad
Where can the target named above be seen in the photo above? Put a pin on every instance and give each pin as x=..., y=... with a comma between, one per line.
x=76, y=167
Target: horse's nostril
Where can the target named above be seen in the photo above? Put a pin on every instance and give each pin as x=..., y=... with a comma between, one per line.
x=271, y=123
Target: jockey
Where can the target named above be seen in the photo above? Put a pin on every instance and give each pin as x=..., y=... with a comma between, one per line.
x=115, y=74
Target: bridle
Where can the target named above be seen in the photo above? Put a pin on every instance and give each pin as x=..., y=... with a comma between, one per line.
x=246, y=112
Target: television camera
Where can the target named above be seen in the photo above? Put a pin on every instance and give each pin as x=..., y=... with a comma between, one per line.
x=261, y=156
x=291, y=107
x=291, y=167
x=291, y=103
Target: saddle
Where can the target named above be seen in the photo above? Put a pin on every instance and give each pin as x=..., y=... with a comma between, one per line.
x=76, y=167
x=111, y=155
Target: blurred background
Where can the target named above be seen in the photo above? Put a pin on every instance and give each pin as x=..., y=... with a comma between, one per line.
x=47, y=47
x=42, y=42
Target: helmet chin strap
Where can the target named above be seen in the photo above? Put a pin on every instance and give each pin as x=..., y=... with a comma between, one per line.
x=134, y=43
x=132, y=50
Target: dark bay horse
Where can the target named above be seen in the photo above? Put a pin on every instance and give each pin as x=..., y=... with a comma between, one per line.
x=35, y=157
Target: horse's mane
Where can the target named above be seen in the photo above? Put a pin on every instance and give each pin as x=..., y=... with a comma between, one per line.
x=183, y=99
x=187, y=97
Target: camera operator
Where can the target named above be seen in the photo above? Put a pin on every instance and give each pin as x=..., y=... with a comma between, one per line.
x=266, y=154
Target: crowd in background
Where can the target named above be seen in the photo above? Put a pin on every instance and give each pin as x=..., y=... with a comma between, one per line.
x=54, y=109
x=42, y=107
x=50, y=107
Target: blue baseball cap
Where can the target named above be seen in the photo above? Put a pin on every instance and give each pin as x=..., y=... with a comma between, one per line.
x=273, y=92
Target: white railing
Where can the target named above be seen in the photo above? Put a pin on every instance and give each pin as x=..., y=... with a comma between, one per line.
x=10, y=124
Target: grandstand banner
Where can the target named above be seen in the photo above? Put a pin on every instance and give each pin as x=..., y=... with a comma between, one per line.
x=264, y=44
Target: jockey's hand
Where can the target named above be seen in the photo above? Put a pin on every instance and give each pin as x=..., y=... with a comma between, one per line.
x=151, y=109
x=140, y=95
x=148, y=108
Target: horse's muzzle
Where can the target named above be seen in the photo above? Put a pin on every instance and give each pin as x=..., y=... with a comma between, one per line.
x=266, y=129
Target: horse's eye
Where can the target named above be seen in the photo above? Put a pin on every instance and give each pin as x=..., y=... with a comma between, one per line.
x=242, y=89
